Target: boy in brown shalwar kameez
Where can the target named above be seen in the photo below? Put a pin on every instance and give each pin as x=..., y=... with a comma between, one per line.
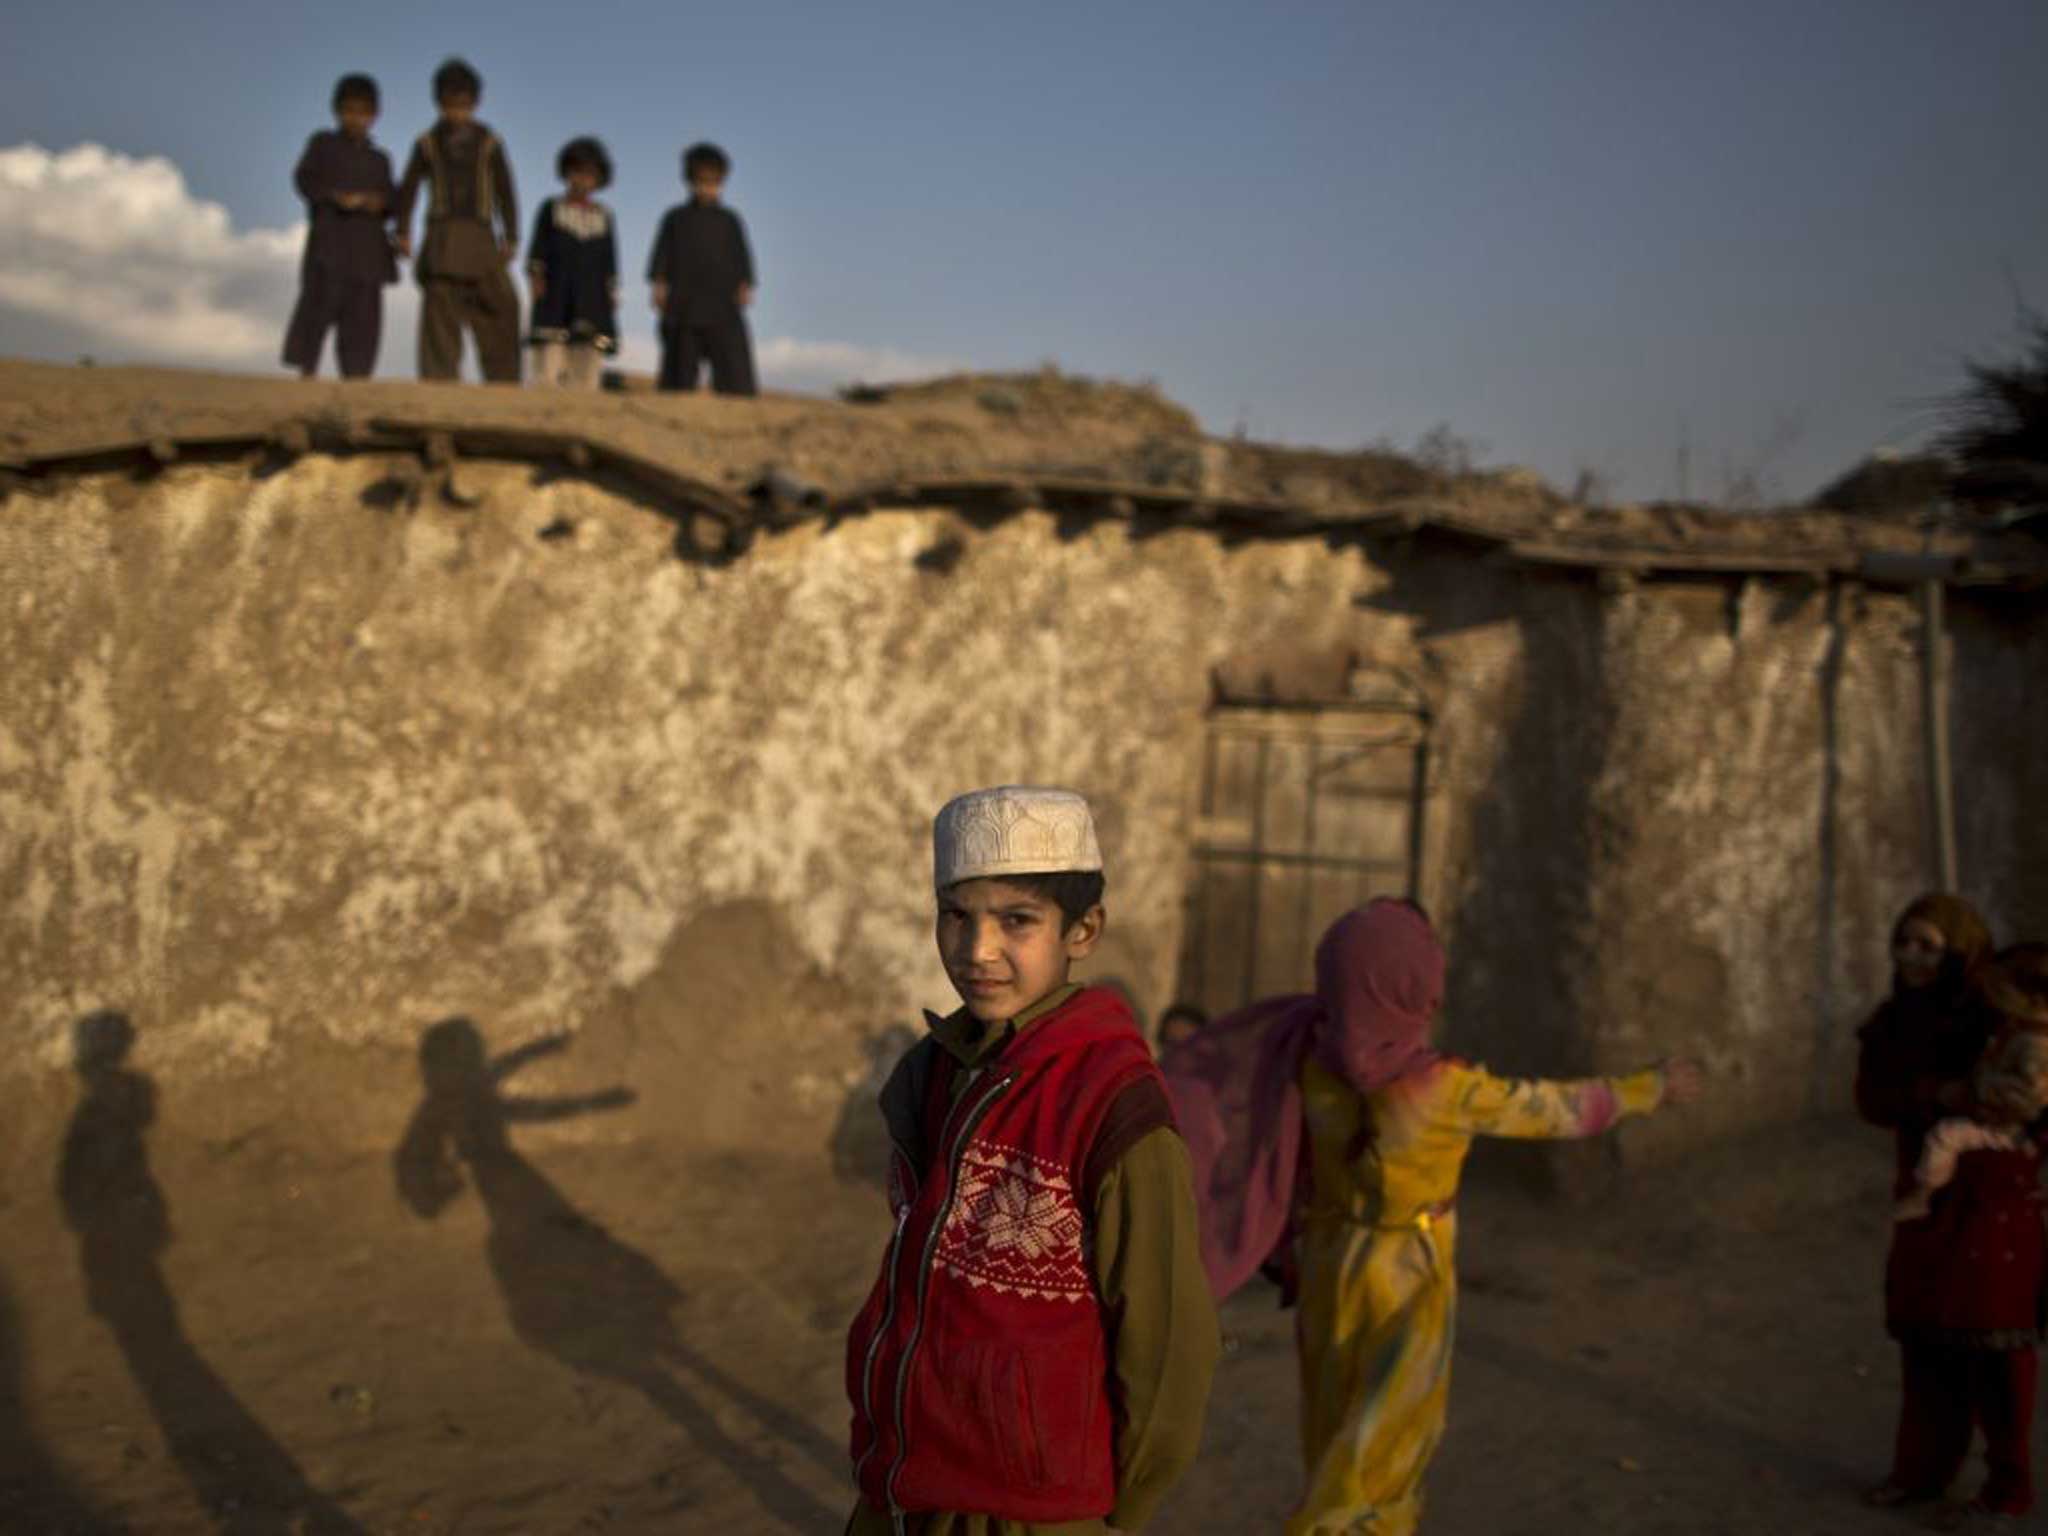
x=1036, y=1356
x=346, y=182
x=461, y=267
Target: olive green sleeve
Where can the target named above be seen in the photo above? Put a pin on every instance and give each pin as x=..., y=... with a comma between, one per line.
x=1161, y=1321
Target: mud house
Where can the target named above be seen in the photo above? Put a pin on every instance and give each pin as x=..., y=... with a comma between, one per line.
x=332, y=712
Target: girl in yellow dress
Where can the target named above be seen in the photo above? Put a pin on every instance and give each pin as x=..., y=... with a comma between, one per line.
x=1329, y=1118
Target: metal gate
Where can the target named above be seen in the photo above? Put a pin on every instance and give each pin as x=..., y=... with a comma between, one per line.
x=1305, y=812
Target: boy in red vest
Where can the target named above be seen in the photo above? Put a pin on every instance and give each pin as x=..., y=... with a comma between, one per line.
x=1035, y=1357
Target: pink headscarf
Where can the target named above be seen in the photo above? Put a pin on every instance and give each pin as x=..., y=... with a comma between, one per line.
x=1236, y=1084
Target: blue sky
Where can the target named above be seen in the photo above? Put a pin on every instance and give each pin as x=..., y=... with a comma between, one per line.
x=1580, y=233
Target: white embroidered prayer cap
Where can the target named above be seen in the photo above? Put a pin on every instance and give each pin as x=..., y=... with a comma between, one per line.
x=1013, y=829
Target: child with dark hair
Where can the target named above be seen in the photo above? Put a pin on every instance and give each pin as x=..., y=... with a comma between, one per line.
x=1917, y=1053
x=702, y=275
x=1970, y=1313
x=346, y=182
x=471, y=235
x=1036, y=1354
x=1179, y=1024
x=572, y=268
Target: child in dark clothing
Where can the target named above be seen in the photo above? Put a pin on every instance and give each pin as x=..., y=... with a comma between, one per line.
x=472, y=233
x=346, y=182
x=572, y=267
x=703, y=278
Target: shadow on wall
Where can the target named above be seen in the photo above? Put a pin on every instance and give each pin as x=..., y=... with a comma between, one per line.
x=860, y=1144
x=247, y=1483
x=2000, y=730
x=1521, y=931
x=572, y=1290
x=34, y=1494
x=1523, y=906
x=1122, y=987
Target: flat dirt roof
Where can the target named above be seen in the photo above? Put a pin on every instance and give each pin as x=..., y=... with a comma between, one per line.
x=988, y=444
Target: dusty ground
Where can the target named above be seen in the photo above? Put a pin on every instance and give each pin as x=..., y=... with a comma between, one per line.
x=578, y=1339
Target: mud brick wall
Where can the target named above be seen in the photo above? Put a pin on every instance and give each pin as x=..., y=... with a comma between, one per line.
x=289, y=771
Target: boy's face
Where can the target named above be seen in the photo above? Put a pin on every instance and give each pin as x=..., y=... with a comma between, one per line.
x=706, y=186
x=458, y=111
x=1004, y=948
x=581, y=181
x=356, y=118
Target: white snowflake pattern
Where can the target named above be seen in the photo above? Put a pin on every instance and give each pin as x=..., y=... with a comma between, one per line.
x=1015, y=1226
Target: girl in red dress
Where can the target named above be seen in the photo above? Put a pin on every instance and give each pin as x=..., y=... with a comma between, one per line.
x=1969, y=1304
x=1917, y=1052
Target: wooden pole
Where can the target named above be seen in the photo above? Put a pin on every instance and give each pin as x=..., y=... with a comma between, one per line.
x=1824, y=1084
x=1934, y=712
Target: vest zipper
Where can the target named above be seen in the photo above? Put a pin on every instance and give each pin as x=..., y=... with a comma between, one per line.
x=973, y=1118
x=867, y=1370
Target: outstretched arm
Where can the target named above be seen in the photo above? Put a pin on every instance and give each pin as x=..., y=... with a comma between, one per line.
x=1552, y=1109
x=531, y=1111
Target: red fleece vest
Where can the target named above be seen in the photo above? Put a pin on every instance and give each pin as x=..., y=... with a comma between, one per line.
x=979, y=1368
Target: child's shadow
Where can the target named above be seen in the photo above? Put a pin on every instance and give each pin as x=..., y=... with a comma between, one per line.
x=35, y=1495
x=248, y=1482
x=573, y=1290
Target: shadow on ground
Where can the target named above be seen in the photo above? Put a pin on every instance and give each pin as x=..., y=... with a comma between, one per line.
x=247, y=1482
x=35, y=1495
x=573, y=1291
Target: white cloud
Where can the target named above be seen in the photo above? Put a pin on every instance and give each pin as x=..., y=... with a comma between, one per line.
x=784, y=359
x=116, y=250
x=119, y=248
x=785, y=362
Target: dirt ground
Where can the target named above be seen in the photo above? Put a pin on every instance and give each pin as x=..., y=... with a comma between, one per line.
x=582, y=1338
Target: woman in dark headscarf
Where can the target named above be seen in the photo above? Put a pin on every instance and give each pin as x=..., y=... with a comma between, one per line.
x=1917, y=1053
x=1332, y=1115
